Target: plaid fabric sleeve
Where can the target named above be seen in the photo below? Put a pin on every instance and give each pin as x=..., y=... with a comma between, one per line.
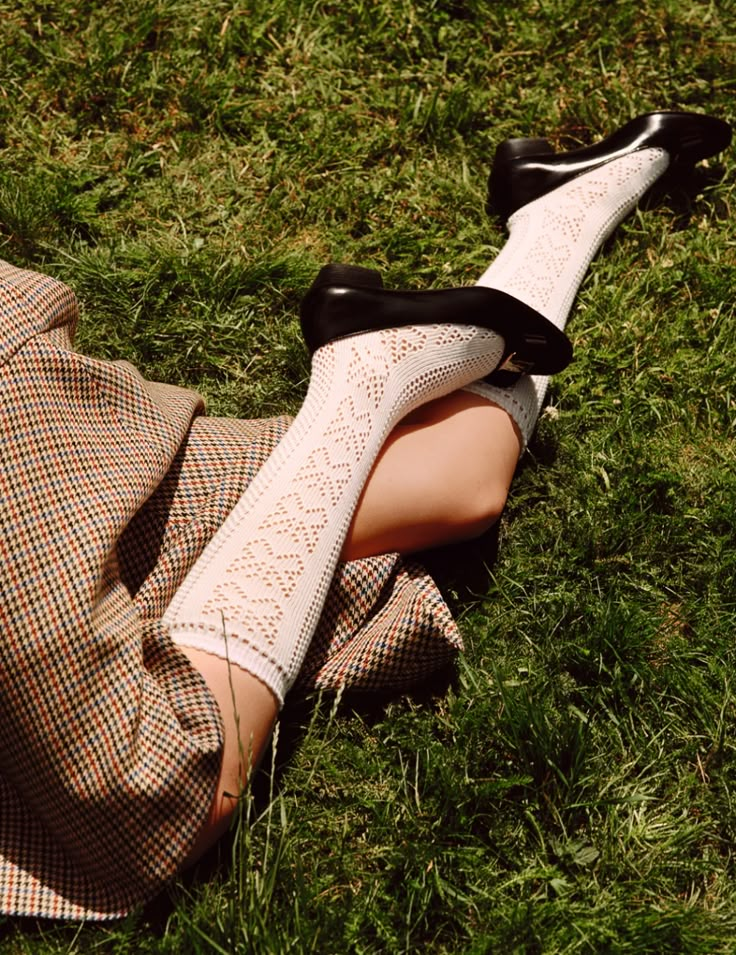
x=33, y=304
x=110, y=487
x=109, y=740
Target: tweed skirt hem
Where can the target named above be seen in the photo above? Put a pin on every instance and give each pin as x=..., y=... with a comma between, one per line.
x=111, y=486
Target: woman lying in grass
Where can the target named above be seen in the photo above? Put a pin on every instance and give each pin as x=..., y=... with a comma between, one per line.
x=159, y=600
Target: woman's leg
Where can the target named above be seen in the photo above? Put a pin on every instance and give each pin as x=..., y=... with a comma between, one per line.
x=249, y=710
x=255, y=596
x=446, y=475
x=260, y=586
x=551, y=244
x=442, y=475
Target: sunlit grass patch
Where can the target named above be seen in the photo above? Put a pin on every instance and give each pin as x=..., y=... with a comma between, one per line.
x=187, y=168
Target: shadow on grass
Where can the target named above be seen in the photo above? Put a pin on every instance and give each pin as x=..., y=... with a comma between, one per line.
x=682, y=189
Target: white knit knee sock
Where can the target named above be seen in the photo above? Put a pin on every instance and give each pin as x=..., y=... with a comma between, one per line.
x=256, y=593
x=552, y=241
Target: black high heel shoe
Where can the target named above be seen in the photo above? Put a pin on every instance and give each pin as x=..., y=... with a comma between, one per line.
x=525, y=169
x=346, y=300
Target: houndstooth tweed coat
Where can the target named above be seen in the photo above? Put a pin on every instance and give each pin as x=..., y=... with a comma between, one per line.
x=110, y=488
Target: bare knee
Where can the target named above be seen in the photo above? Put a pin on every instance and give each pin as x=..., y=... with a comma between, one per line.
x=441, y=477
x=479, y=508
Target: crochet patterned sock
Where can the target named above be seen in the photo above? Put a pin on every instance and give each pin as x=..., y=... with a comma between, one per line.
x=552, y=241
x=256, y=593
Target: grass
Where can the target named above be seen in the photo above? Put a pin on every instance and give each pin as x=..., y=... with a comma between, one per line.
x=187, y=167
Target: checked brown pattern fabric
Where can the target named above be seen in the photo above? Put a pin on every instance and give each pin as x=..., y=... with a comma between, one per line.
x=110, y=488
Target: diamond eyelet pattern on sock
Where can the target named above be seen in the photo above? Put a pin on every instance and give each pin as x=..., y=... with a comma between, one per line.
x=256, y=594
x=552, y=242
